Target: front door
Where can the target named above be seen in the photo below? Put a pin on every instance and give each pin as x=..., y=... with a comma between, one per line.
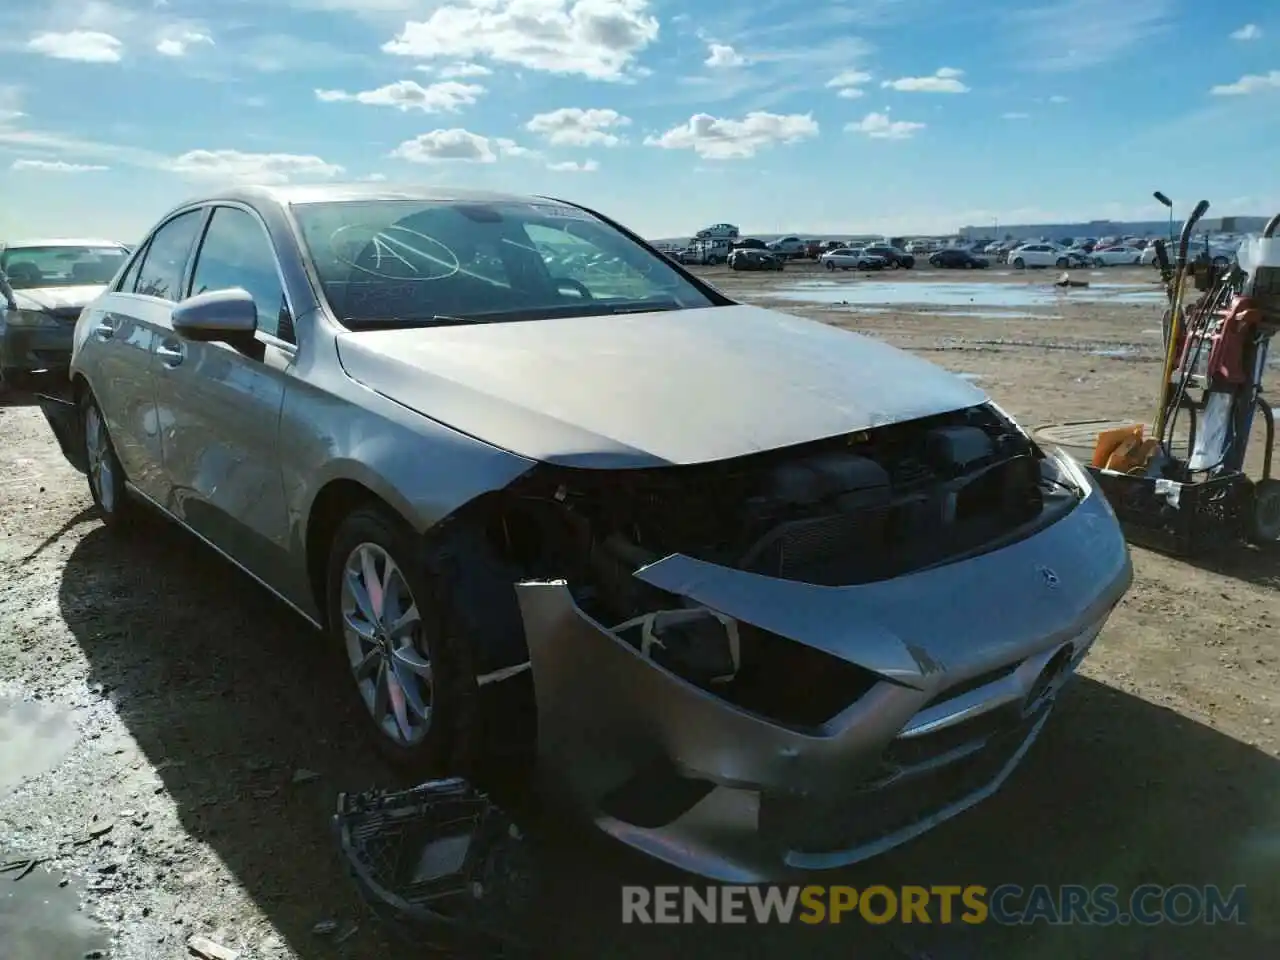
x=221, y=405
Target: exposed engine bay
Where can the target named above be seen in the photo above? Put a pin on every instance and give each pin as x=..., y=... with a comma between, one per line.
x=850, y=510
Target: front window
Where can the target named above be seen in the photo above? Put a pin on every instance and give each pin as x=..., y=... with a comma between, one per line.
x=412, y=262
x=29, y=268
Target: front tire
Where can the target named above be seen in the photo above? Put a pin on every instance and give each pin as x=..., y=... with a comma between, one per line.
x=106, y=477
x=1063, y=263
x=830, y=265
x=1019, y=264
x=382, y=616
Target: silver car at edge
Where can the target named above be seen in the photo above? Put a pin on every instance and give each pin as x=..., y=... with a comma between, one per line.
x=751, y=593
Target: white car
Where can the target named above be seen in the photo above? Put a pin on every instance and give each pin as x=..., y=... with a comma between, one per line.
x=1039, y=255
x=1116, y=256
x=846, y=258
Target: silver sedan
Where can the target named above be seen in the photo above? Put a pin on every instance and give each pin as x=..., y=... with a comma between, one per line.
x=752, y=593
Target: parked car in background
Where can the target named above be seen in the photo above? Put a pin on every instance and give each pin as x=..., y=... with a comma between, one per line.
x=1038, y=255
x=849, y=258
x=483, y=483
x=44, y=284
x=1116, y=256
x=749, y=243
x=1075, y=257
x=792, y=248
x=893, y=257
x=755, y=260
x=958, y=259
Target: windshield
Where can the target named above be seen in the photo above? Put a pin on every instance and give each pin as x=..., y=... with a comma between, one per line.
x=389, y=262
x=28, y=268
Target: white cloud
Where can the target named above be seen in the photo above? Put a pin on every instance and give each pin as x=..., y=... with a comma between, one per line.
x=441, y=145
x=723, y=55
x=262, y=168
x=509, y=148
x=1249, y=83
x=945, y=80
x=716, y=138
x=598, y=39
x=1057, y=98
x=878, y=126
x=10, y=102
x=87, y=46
x=179, y=43
x=1082, y=34
x=576, y=127
x=55, y=166
x=570, y=166
x=373, y=178
x=449, y=96
x=461, y=70
x=848, y=84
x=1014, y=116
x=1250, y=31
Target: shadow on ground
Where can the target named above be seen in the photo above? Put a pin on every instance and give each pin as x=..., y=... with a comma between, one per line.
x=1256, y=564
x=227, y=694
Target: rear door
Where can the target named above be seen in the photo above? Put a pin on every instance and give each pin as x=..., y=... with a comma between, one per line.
x=222, y=404
x=121, y=331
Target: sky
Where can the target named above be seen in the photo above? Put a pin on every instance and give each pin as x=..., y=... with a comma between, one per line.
x=893, y=116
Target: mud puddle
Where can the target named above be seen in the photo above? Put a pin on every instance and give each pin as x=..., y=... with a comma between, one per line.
x=34, y=738
x=894, y=293
x=40, y=911
x=41, y=917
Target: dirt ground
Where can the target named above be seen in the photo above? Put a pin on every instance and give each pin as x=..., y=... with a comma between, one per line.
x=171, y=744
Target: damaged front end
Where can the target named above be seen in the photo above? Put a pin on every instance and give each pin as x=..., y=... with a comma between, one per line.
x=802, y=658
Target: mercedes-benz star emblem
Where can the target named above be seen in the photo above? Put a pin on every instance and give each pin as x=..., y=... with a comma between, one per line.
x=1050, y=578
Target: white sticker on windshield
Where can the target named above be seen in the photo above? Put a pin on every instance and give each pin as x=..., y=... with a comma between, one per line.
x=561, y=211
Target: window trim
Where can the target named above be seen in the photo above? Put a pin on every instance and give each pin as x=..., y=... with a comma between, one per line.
x=189, y=279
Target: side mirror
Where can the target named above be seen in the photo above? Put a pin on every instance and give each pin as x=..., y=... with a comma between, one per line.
x=227, y=315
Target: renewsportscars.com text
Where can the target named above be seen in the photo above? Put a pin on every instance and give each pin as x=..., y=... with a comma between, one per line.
x=1008, y=904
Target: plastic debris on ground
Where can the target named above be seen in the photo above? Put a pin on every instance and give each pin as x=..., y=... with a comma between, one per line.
x=441, y=866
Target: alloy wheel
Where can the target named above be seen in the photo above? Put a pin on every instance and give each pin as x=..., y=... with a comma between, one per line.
x=386, y=646
x=98, y=458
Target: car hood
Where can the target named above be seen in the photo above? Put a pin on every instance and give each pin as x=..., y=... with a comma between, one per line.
x=651, y=389
x=57, y=298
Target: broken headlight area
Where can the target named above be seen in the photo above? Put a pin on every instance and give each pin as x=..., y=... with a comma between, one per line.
x=758, y=671
x=853, y=509
x=442, y=866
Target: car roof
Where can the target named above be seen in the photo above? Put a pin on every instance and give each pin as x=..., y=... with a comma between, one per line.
x=294, y=194
x=59, y=242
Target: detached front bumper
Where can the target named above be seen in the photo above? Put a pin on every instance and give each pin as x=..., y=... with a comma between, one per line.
x=968, y=659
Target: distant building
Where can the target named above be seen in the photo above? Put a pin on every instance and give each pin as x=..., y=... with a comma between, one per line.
x=1108, y=228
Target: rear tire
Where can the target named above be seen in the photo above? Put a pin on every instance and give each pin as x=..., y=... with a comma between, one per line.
x=107, y=482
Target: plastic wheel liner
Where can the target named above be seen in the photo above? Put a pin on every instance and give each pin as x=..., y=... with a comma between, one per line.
x=442, y=867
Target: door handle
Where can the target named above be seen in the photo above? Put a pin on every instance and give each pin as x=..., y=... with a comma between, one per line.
x=170, y=353
x=105, y=328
